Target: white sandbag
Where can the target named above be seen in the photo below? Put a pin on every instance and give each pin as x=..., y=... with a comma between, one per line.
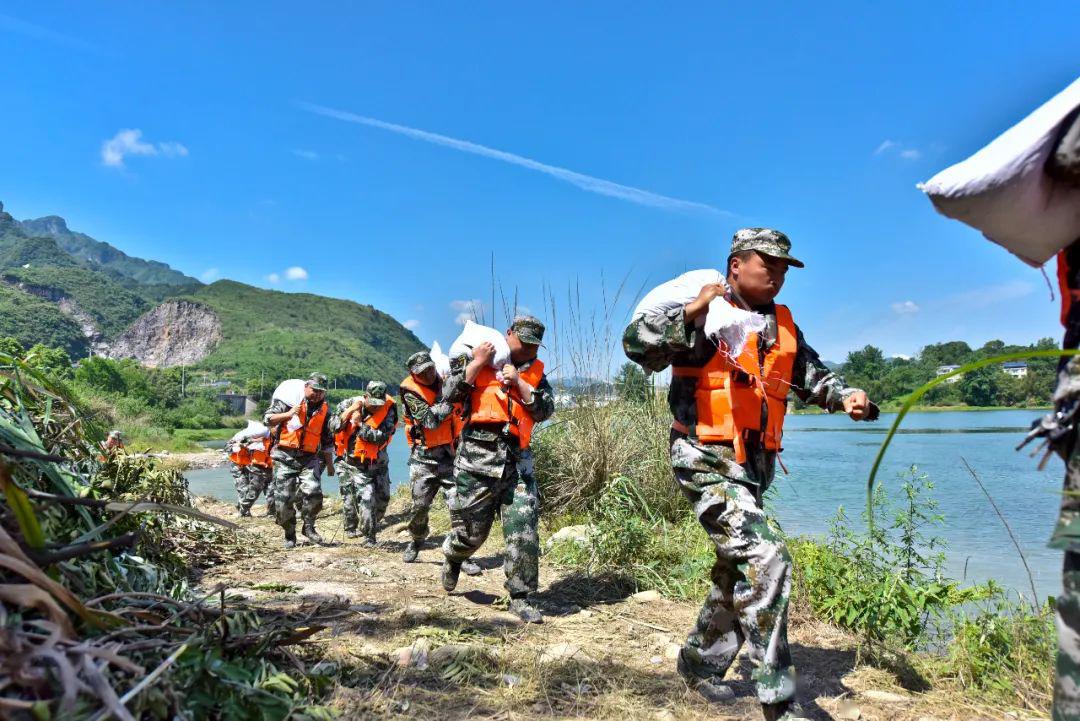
x=254, y=429
x=290, y=391
x=473, y=334
x=440, y=359
x=1004, y=191
x=723, y=322
x=677, y=292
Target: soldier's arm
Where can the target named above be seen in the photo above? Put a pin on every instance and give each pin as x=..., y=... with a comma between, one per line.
x=456, y=389
x=815, y=384
x=425, y=416
x=652, y=340
x=277, y=407
x=381, y=434
x=542, y=405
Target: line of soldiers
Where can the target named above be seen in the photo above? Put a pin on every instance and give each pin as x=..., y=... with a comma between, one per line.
x=469, y=435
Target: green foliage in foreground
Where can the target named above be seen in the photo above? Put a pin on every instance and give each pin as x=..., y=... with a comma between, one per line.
x=81, y=626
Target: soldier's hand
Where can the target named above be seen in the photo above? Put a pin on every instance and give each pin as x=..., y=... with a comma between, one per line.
x=484, y=352
x=510, y=375
x=857, y=405
x=700, y=305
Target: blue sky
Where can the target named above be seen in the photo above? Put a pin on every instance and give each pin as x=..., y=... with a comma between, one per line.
x=620, y=140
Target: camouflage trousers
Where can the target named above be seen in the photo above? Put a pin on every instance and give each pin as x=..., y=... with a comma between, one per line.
x=474, y=502
x=426, y=476
x=257, y=480
x=241, y=481
x=365, y=493
x=297, y=484
x=1067, y=683
x=751, y=578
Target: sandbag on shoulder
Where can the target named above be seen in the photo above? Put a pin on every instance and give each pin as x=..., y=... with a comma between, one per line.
x=440, y=359
x=1005, y=191
x=472, y=335
x=723, y=323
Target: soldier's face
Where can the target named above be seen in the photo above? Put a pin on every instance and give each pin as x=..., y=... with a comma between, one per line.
x=427, y=376
x=520, y=352
x=759, y=278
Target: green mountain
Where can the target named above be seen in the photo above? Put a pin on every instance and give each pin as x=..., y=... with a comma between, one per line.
x=102, y=255
x=66, y=289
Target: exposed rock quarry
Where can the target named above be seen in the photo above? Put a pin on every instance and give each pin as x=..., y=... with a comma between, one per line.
x=70, y=308
x=177, y=332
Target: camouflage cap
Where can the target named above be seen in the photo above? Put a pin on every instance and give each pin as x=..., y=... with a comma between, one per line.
x=115, y=433
x=529, y=329
x=419, y=362
x=317, y=381
x=766, y=241
x=376, y=391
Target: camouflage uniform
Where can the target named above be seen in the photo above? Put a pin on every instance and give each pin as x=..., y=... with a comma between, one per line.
x=258, y=482
x=365, y=486
x=240, y=477
x=1060, y=430
x=297, y=481
x=429, y=468
x=751, y=578
x=487, y=482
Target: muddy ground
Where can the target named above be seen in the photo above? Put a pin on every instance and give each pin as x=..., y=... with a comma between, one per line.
x=402, y=647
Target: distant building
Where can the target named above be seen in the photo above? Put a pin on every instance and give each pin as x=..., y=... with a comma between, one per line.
x=1017, y=369
x=238, y=403
x=942, y=370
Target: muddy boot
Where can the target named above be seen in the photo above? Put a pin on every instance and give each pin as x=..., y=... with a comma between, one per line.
x=369, y=541
x=450, y=572
x=412, y=552
x=311, y=534
x=783, y=711
x=290, y=539
x=711, y=688
x=525, y=611
x=352, y=534
x=470, y=568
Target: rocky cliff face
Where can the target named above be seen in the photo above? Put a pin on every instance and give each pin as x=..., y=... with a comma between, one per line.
x=70, y=308
x=177, y=332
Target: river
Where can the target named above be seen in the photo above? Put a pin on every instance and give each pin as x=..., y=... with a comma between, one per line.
x=829, y=459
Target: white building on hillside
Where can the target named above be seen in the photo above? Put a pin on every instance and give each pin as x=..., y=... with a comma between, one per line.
x=942, y=370
x=1017, y=369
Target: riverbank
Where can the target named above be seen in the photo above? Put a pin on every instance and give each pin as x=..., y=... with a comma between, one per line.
x=895, y=407
x=401, y=647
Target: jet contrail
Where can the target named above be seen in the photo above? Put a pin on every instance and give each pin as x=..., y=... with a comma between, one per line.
x=585, y=182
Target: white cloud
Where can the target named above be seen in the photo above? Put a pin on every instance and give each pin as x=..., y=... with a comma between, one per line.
x=585, y=182
x=305, y=154
x=129, y=142
x=273, y=278
x=466, y=309
x=209, y=275
x=411, y=324
x=907, y=307
x=901, y=356
x=901, y=150
x=885, y=146
x=296, y=273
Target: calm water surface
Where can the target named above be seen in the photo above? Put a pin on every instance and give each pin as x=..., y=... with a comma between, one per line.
x=829, y=459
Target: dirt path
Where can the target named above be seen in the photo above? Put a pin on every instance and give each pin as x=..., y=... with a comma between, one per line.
x=407, y=649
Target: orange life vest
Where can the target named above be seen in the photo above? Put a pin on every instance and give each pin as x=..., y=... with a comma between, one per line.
x=491, y=403
x=240, y=455
x=365, y=451
x=261, y=456
x=341, y=438
x=306, y=437
x=447, y=431
x=730, y=392
x=1068, y=295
